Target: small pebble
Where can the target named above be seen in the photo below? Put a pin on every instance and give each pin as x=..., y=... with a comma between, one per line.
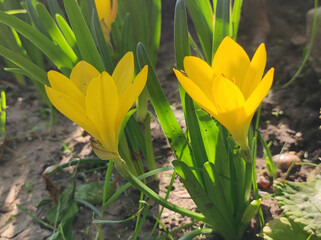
x=263, y=183
x=285, y=160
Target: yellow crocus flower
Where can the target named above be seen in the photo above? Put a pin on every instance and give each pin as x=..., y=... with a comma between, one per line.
x=231, y=89
x=96, y=101
x=107, y=13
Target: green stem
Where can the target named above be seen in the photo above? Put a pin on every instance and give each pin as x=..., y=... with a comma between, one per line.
x=150, y=159
x=122, y=168
x=107, y=183
x=248, y=182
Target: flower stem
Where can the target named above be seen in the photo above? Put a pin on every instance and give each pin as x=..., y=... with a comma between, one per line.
x=122, y=168
x=107, y=183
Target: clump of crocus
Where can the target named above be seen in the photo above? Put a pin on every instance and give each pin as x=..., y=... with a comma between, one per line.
x=231, y=89
x=96, y=101
x=107, y=12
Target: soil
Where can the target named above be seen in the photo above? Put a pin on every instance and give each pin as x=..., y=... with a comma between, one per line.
x=289, y=120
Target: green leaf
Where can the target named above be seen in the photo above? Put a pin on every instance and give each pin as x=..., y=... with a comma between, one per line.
x=55, y=32
x=203, y=202
x=34, y=17
x=181, y=34
x=200, y=231
x=59, y=58
x=155, y=26
x=215, y=192
x=85, y=41
x=127, y=41
x=68, y=33
x=36, y=72
x=210, y=133
x=301, y=202
x=104, y=49
x=171, y=128
x=58, y=212
x=222, y=21
x=201, y=20
x=270, y=166
x=236, y=14
x=196, y=140
x=54, y=8
x=284, y=229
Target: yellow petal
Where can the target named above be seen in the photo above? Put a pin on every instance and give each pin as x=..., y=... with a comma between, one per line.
x=82, y=74
x=231, y=60
x=113, y=13
x=255, y=72
x=64, y=85
x=200, y=73
x=124, y=73
x=237, y=123
x=196, y=93
x=227, y=96
x=128, y=98
x=102, y=106
x=259, y=93
x=71, y=108
x=103, y=8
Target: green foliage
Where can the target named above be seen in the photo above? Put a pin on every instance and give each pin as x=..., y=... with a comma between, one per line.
x=301, y=203
x=284, y=229
x=63, y=213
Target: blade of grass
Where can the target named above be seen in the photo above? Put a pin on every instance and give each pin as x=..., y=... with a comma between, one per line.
x=236, y=15
x=68, y=33
x=127, y=185
x=204, y=30
x=105, y=50
x=83, y=35
x=55, y=32
x=166, y=117
x=36, y=72
x=59, y=58
x=222, y=21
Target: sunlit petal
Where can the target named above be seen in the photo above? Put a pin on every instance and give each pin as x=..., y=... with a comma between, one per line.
x=196, y=93
x=259, y=93
x=236, y=123
x=129, y=97
x=82, y=74
x=102, y=106
x=72, y=109
x=255, y=72
x=231, y=60
x=124, y=73
x=200, y=73
x=227, y=96
x=64, y=85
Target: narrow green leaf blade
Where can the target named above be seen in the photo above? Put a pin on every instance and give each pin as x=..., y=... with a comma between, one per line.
x=104, y=49
x=203, y=29
x=181, y=41
x=222, y=21
x=83, y=35
x=38, y=73
x=236, y=14
x=166, y=117
x=55, y=32
x=68, y=33
x=59, y=58
x=34, y=17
